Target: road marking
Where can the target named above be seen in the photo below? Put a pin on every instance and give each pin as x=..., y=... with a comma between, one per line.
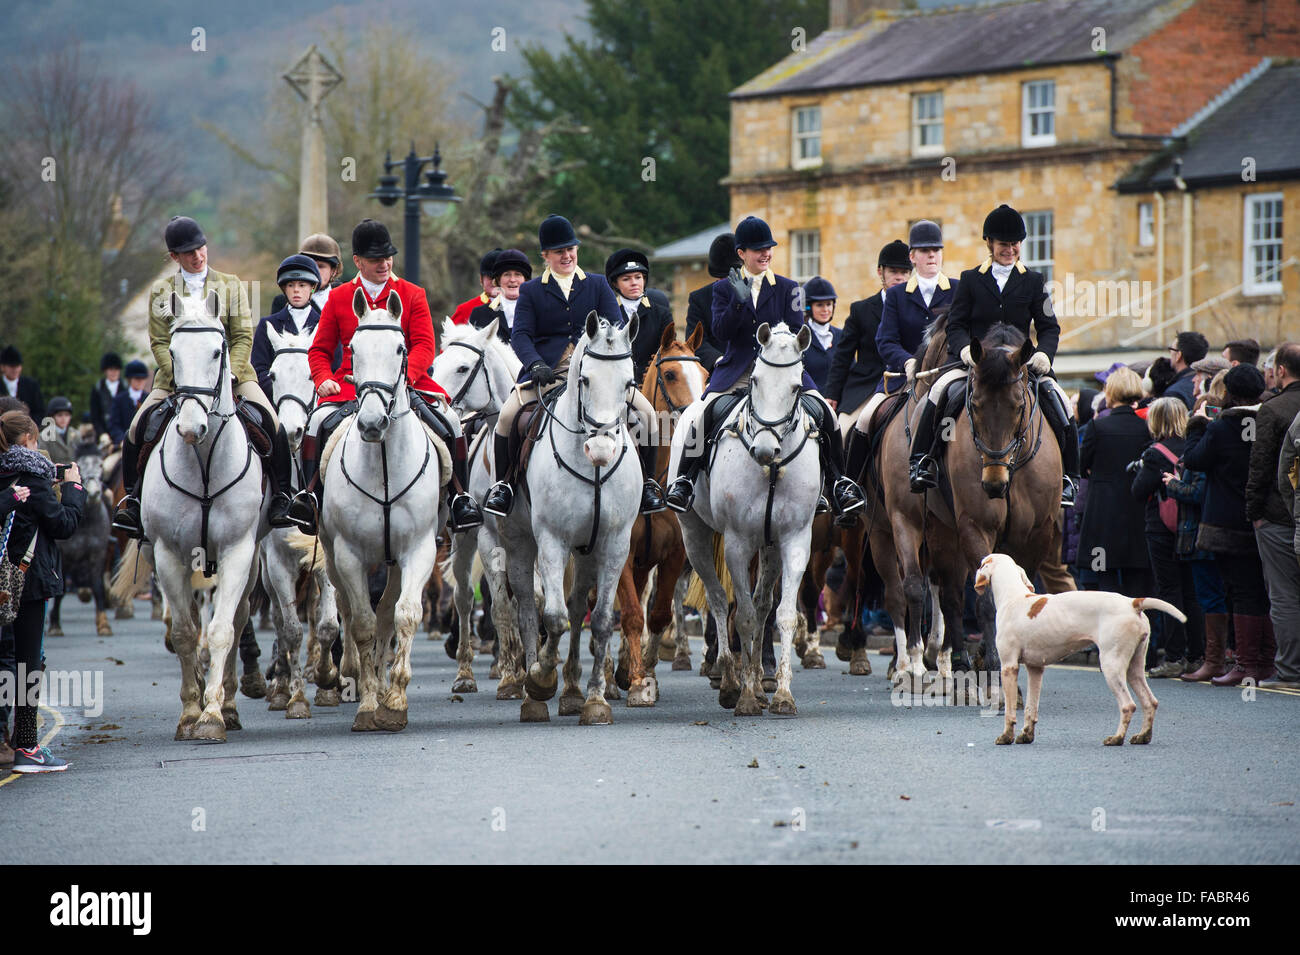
x=54, y=731
x=1093, y=669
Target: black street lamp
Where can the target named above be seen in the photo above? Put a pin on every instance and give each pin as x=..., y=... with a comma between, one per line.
x=434, y=195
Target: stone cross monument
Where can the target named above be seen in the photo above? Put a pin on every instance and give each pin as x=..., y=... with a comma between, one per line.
x=312, y=77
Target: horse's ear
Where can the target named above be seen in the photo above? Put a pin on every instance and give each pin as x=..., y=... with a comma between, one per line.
x=763, y=334
x=212, y=304
x=593, y=324
x=359, y=307
x=274, y=337
x=394, y=305
x=804, y=338
x=633, y=326
x=669, y=335
x=490, y=329
x=1026, y=351
x=174, y=305
x=976, y=350
x=694, y=339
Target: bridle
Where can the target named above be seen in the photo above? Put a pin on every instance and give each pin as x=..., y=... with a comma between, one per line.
x=779, y=428
x=383, y=388
x=998, y=458
x=290, y=396
x=479, y=366
x=197, y=393
x=594, y=428
x=661, y=387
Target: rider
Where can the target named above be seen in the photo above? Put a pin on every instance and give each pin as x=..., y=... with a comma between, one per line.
x=819, y=308
x=298, y=277
x=1002, y=289
x=188, y=248
x=750, y=296
x=628, y=273
x=910, y=308
x=372, y=253
x=549, y=320
x=510, y=270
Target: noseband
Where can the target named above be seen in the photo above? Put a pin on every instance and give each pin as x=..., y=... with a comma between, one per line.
x=1012, y=449
x=780, y=428
x=291, y=397
x=196, y=392
x=383, y=388
x=661, y=387
x=594, y=427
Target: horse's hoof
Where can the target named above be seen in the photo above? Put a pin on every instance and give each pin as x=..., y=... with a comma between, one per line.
x=464, y=685
x=646, y=693
x=727, y=699
x=715, y=683
x=859, y=664
x=570, y=703
x=706, y=669
x=124, y=613
x=184, y=730
x=1026, y=736
x=813, y=660
x=748, y=706
x=253, y=686
x=621, y=676
x=769, y=684
x=667, y=651
x=364, y=722
x=102, y=626
x=278, y=698
x=84, y=594
x=537, y=688
x=783, y=705
x=298, y=709
x=843, y=651
x=509, y=690
x=391, y=721
x=494, y=673
x=1004, y=739
x=1116, y=740
x=54, y=630
x=596, y=713
x=330, y=697
x=1140, y=739
x=210, y=730
x=611, y=692
x=534, y=711
x=231, y=720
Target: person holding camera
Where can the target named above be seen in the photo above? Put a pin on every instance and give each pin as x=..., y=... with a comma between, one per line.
x=46, y=518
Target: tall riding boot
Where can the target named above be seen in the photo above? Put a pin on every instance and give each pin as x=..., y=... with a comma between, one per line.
x=126, y=517
x=652, y=495
x=846, y=496
x=464, y=512
x=922, y=469
x=306, y=502
x=1216, y=633
x=681, y=491
x=1250, y=634
x=859, y=445
x=500, y=499
x=1067, y=437
x=282, y=476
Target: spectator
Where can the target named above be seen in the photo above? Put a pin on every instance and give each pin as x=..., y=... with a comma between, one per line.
x=1205, y=370
x=128, y=400
x=1243, y=351
x=1187, y=349
x=1167, y=422
x=105, y=390
x=1223, y=453
x=1159, y=376
x=1110, y=540
x=1271, y=517
x=1288, y=476
x=14, y=383
x=44, y=519
x=1270, y=363
x=10, y=498
x=57, y=439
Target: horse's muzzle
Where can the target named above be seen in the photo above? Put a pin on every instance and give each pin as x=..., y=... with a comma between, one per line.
x=995, y=489
x=600, y=450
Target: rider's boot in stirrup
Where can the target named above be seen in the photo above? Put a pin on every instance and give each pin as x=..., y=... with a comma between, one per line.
x=922, y=469
x=500, y=499
x=652, y=495
x=464, y=513
x=681, y=492
x=279, y=513
x=126, y=517
x=305, y=504
x=846, y=496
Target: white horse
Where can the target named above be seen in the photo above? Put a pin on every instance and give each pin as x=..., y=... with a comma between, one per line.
x=582, y=491
x=383, y=505
x=477, y=370
x=760, y=495
x=202, y=507
x=292, y=393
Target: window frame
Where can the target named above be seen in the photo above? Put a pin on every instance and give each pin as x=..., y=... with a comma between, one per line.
x=1028, y=138
x=797, y=254
x=797, y=138
x=1249, y=284
x=1047, y=265
x=928, y=149
x=1147, y=221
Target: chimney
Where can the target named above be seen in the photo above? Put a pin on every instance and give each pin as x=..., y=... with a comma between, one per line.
x=848, y=13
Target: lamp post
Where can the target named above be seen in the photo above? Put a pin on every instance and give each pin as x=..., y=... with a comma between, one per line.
x=434, y=195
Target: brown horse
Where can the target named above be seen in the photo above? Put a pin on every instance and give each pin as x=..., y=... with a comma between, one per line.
x=999, y=491
x=673, y=379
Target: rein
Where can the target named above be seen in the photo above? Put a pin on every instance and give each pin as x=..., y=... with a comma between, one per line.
x=479, y=365
x=1013, y=448
x=291, y=397
x=661, y=387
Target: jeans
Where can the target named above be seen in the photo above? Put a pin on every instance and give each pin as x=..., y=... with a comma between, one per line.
x=1209, y=585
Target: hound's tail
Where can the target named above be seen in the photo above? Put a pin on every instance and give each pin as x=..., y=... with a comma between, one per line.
x=1154, y=603
x=132, y=573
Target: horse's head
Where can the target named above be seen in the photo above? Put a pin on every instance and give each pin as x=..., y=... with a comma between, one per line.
x=378, y=364
x=675, y=377
x=292, y=391
x=200, y=367
x=998, y=403
x=602, y=370
x=774, y=387
x=463, y=367
x=90, y=461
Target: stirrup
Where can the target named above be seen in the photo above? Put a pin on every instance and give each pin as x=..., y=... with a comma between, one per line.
x=501, y=489
x=126, y=518
x=846, y=487
x=923, y=474
x=473, y=516
x=1068, y=491
x=652, y=497
x=681, y=495
x=823, y=505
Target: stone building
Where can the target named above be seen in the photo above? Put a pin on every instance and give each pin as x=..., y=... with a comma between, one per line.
x=1069, y=110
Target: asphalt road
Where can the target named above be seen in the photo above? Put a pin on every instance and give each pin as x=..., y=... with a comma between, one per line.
x=854, y=778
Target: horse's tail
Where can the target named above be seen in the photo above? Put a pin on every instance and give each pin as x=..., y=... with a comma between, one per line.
x=475, y=568
x=695, y=594
x=131, y=574
x=308, y=547
x=1154, y=603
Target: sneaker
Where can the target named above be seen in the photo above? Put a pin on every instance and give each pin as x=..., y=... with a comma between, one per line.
x=39, y=759
x=1168, y=670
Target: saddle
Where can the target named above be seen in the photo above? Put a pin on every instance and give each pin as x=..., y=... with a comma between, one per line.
x=255, y=426
x=528, y=428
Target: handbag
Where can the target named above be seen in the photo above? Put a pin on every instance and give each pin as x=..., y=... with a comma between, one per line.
x=12, y=576
x=1167, y=506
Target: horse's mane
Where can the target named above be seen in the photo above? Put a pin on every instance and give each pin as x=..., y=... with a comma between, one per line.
x=996, y=369
x=463, y=333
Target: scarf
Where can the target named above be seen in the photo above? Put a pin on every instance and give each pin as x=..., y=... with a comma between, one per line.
x=18, y=458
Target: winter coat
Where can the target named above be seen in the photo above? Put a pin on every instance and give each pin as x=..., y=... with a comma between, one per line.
x=1181, y=387
x=1276, y=414
x=1223, y=453
x=1113, y=519
x=653, y=316
x=856, y=367
x=53, y=518
x=122, y=412
x=905, y=320
x=817, y=360
x=698, y=306
x=1148, y=485
x=57, y=445
x=234, y=312
x=736, y=324
x=547, y=323
x=1288, y=475
x=1023, y=301
x=101, y=402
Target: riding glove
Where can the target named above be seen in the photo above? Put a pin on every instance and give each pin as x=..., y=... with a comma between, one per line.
x=541, y=373
x=1040, y=364
x=966, y=358
x=738, y=286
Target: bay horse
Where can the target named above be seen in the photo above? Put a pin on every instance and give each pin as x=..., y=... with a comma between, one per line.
x=674, y=379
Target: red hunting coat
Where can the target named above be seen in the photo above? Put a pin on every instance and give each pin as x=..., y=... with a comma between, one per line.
x=337, y=324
